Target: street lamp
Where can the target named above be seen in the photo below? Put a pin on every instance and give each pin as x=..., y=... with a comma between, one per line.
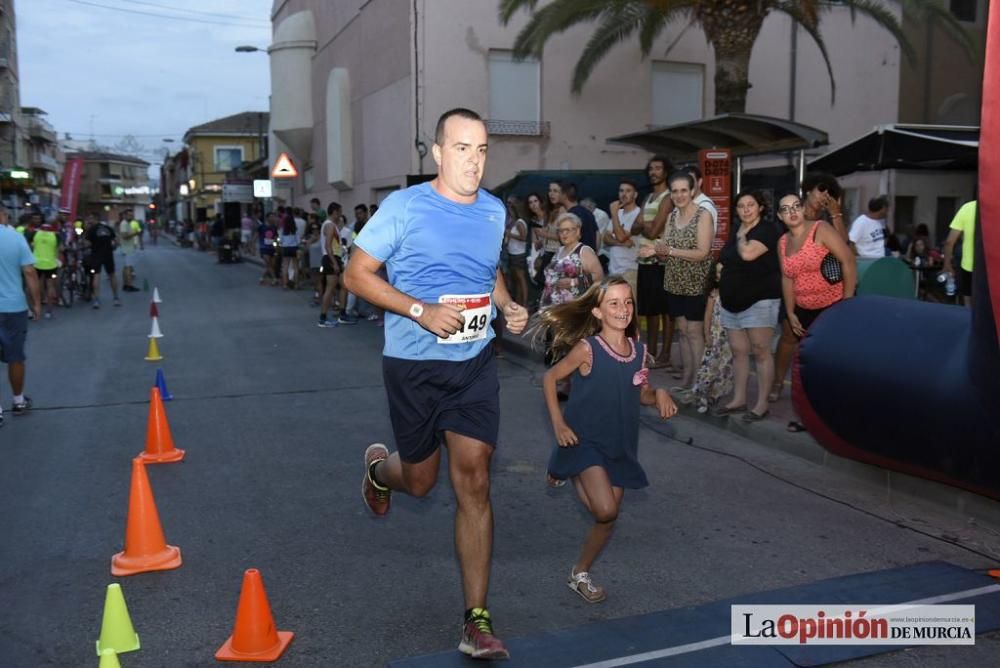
x=246, y=48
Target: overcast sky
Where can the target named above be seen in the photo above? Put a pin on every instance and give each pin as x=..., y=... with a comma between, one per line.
x=115, y=72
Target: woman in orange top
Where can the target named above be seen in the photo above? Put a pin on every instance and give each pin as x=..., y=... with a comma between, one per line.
x=801, y=250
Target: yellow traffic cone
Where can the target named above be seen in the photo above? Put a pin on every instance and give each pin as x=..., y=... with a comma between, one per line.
x=117, y=633
x=109, y=659
x=154, y=351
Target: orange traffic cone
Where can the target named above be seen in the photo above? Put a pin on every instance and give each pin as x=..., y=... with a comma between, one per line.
x=254, y=636
x=159, y=443
x=145, y=547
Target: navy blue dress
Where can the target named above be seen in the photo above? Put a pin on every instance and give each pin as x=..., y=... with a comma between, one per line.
x=603, y=411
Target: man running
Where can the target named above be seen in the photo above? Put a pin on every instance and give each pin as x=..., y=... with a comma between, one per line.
x=440, y=242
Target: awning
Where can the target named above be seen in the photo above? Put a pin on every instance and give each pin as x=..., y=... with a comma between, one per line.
x=743, y=134
x=897, y=146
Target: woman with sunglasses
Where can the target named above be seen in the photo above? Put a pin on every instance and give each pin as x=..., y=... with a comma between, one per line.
x=802, y=250
x=821, y=195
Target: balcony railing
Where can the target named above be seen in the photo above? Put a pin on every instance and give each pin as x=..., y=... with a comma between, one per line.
x=44, y=161
x=518, y=128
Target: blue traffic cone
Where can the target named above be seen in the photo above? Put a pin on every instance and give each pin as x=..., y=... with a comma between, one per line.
x=161, y=385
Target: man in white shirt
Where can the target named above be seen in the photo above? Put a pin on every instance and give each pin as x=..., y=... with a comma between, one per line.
x=703, y=200
x=603, y=221
x=867, y=235
x=623, y=256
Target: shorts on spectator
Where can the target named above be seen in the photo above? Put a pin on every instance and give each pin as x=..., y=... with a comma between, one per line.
x=289, y=251
x=429, y=397
x=762, y=314
x=45, y=274
x=684, y=306
x=13, y=332
x=128, y=259
x=104, y=260
x=964, y=283
x=332, y=264
x=651, y=297
x=518, y=261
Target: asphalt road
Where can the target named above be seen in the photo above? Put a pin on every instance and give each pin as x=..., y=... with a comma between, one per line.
x=275, y=413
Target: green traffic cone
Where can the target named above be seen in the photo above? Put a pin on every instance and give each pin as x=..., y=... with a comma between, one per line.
x=109, y=659
x=145, y=285
x=117, y=632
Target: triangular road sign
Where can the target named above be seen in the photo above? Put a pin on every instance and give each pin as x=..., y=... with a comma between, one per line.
x=284, y=168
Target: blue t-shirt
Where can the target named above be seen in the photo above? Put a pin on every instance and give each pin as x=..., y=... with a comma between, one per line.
x=14, y=254
x=432, y=246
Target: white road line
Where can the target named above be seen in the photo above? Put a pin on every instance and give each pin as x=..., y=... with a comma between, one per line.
x=724, y=640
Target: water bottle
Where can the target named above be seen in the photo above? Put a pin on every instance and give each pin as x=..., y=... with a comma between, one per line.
x=949, y=285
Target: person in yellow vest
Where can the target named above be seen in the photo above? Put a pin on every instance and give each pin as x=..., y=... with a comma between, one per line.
x=130, y=233
x=963, y=226
x=46, y=245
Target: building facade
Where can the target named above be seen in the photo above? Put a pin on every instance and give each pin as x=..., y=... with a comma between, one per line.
x=112, y=180
x=357, y=87
x=45, y=160
x=213, y=155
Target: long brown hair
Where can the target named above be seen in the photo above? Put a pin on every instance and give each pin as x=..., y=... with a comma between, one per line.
x=574, y=321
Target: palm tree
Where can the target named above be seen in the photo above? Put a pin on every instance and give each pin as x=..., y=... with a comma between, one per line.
x=730, y=26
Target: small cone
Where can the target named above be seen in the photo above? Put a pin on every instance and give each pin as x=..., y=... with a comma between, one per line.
x=145, y=285
x=161, y=385
x=254, y=636
x=109, y=659
x=117, y=634
x=154, y=332
x=153, y=311
x=154, y=351
x=159, y=442
x=156, y=296
x=145, y=547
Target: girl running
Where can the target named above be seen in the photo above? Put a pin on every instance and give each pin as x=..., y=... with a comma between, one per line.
x=598, y=435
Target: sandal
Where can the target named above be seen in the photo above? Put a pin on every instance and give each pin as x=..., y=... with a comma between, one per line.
x=750, y=416
x=796, y=427
x=554, y=483
x=585, y=587
x=722, y=411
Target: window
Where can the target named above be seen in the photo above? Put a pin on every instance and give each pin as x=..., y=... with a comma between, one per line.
x=228, y=157
x=678, y=93
x=964, y=10
x=514, y=88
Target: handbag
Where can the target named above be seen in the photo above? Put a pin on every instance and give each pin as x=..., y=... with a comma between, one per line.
x=831, y=269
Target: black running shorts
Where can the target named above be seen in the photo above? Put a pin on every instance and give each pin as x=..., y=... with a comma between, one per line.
x=429, y=397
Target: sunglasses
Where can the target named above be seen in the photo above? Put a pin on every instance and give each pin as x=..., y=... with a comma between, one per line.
x=788, y=208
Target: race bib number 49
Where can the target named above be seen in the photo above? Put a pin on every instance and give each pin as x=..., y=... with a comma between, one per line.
x=476, y=314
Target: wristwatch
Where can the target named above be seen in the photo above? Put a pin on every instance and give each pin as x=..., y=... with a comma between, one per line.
x=416, y=310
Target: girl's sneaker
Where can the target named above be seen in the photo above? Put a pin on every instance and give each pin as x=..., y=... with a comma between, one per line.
x=584, y=586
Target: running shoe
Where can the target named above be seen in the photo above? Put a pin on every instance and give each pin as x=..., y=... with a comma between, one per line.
x=96, y=304
x=478, y=640
x=1, y=418
x=376, y=497
x=326, y=323
x=23, y=407
x=372, y=317
x=345, y=319
x=118, y=302
x=585, y=587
